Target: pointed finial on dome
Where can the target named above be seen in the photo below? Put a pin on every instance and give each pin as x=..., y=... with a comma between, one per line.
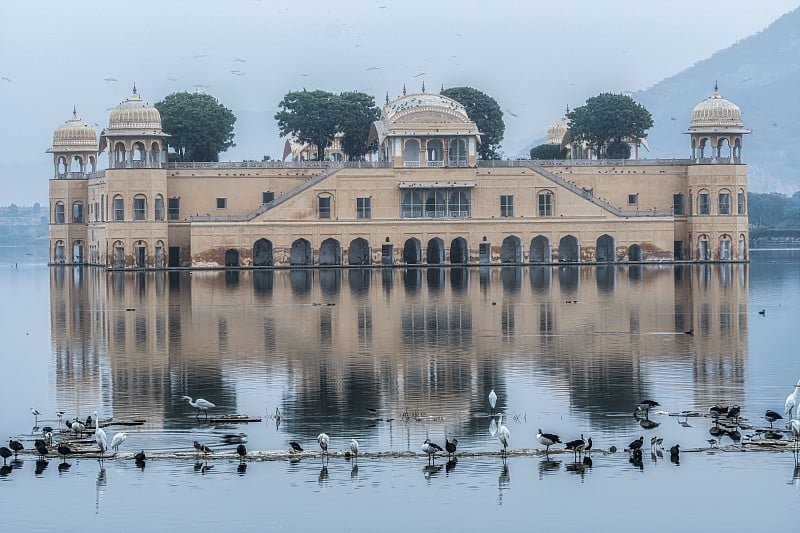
x=134, y=87
x=442, y=89
x=423, y=85
x=716, y=89
x=74, y=112
x=404, y=89
x=567, y=112
x=387, y=97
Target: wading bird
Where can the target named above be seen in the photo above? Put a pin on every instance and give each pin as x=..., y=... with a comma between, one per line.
x=64, y=451
x=100, y=436
x=636, y=445
x=118, y=439
x=577, y=446
x=503, y=434
x=15, y=446
x=323, y=440
x=794, y=426
x=430, y=448
x=200, y=404
x=791, y=400
x=242, y=451
x=140, y=457
x=35, y=412
x=771, y=416
x=450, y=446
x=5, y=453
x=547, y=440
x=645, y=406
x=41, y=447
x=354, y=449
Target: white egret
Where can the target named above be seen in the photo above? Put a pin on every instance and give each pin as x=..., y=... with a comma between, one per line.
x=354, y=448
x=100, y=436
x=794, y=426
x=791, y=400
x=200, y=404
x=503, y=434
x=547, y=440
x=324, y=440
x=118, y=439
x=492, y=399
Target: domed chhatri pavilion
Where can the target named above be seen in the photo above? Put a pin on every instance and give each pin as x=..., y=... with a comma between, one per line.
x=424, y=198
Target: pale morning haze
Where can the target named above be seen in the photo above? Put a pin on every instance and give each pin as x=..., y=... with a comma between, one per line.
x=534, y=58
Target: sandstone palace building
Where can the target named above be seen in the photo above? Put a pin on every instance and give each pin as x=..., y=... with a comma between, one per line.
x=424, y=198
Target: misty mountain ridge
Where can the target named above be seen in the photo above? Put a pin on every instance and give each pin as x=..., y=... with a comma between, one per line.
x=761, y=75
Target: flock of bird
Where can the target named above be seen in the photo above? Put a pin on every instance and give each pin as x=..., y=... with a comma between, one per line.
x=581, y=446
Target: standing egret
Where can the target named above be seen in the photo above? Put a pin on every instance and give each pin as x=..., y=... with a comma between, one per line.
x=16, y=446
x=354, y=449
x=200, y=404
x=430, y=448
x=492, y=399
x=791, y=400
x=100, y=436
x=241, y=450
x=118, y=439
x=324, y=440
x=35, y=412
x=794, y=427
x=503, y=434
x=547, y=440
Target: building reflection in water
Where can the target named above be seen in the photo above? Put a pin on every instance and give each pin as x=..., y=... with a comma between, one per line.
x=397, y=339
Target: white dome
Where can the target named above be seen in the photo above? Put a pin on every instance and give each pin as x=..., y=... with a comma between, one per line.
x=134, y=113
x=410, y=104
x=716, y=112
x=74, y=134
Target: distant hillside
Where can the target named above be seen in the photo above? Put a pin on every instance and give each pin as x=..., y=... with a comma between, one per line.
x=760, y=74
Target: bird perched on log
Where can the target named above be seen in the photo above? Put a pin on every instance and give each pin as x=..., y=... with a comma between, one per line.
x=15, y=446
x=64, y=450
x=295, y=446
x=636, y=445
x=140, y=457
x=430, y=448
x=547, y=440
x=791, y=400
x=674, y=454
x=323, y=440
x=717, y=411
x=645, y=406
x=503, y=434
x=354, y=449
x=241, y=450
x=733, y=412
x=577, y=446
x=771, y=416
x=200, y=404
x=450, y=446
x=41, y=447
x=117, y=441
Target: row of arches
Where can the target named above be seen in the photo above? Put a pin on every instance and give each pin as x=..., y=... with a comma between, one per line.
x=136, y=155
x=434, y=252
x=435, y=153
x=75, y=166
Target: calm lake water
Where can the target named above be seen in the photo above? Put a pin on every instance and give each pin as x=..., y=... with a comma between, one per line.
x=570, y=350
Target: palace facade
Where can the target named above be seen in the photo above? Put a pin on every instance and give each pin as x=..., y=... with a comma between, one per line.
x=424, y=199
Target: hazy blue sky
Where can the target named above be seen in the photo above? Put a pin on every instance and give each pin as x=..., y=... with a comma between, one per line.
x=533, y=57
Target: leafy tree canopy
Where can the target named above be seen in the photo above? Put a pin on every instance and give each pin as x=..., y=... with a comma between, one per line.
x=316, y=117
x=485, y=112
x=606, y=120
x=548, y=151
x=199, y=126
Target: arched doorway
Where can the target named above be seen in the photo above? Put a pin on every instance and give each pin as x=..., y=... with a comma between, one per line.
x=725, y=247
x=569, y=250
x=435, y=253
x=459, y=251
x=605, y=252
x=511, y=250
x=541, y=251
x=635, y=253
x=301, y=253
x=232, y=257
x=412, y=251
x=262, y=253
x=359, y=252
x=330, y=252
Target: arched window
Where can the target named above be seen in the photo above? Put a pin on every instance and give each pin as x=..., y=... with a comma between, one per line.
x=155, y=153
x=458, y=153
x=703, y=202
x=59, y=252
x=158, y=208
x=725, y=247
x=61, y=167
x=435, y=153
x=137, y=152
x=159, y=257
x=411, y=153
x=119, y=254
x=119, y=155
x=724, y=202
x=741, y=198
x=76, y=165
x=545, y=204
x=119, y=208
x=139, y=207
x=435, y=204
x=58, y=214
x=77, y=212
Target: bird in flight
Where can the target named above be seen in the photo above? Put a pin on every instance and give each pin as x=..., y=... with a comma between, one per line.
x=240, y=60
x=512, y=113
x=110, y=79
x=6, y=78
x=199, y=56
x=420, y=74
x=373, y=68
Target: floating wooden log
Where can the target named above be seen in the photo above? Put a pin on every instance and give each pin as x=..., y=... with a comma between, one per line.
x=233, y=419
